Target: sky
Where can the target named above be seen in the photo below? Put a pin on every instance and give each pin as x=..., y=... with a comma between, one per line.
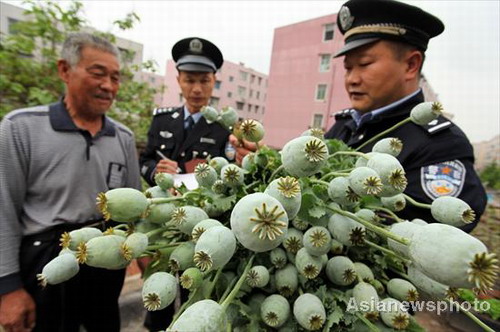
x=462, y=64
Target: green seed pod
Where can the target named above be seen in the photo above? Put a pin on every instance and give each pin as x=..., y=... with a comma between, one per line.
x=135, y=244
x=72, y=239
x=300, y=224
x=66, y=251
x=345, y=230
x=363, y=272
x=340, y=270
x=122, y=204
x=204, y=315
x=452, y=211
x=463, y=260
x=404, y=229
x=394, y=315
x=159, y=291
x=259, y=222
x=362, y=161
x=336, y=247
x=293, y=241
x=248, y=161
x=261, y=159
x=191, y=278
x=278, y=258
x=309, y=312
x=426, y=112
x=389, y=145
x=114, y=231
x=217, y=163
x=202, y=226
x=104, y=252
x=219, y=187
x=160, y=213
x=378, y=286
x=317, y=241
x=156, y=192
x=402, y=290
x=255, y=302
x=287, y=280
x=232, y=176
x=145, y=227
x=187, y=217
x=304, y=156
x=253, y=130
x=368, y=215
x=59, y=269
x=287, y=191
x=316, y=132
x=308, y=265
x=391, y=173
x=228, y=117
x=419, y=222
x=366, y=298
x=164, y=180
x=394, y=203
x=258, y=276
x=365, y=181
x=205, y=175
x=275, y=310
x=182, y=257
x=215, y=247
x=428, y=285
x=210, y=114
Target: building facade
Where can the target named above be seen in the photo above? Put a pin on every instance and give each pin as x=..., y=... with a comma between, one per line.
x=487, y=152
x=237, y=86
x=306, y=84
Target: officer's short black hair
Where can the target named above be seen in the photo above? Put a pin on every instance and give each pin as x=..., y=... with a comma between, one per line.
x=366, y=21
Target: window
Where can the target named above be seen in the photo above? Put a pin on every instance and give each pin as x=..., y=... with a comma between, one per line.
x=317, y=121
x=181, y=99
x=229, y=94
x=263, y=110
x=260, y=80
x=252, y=78
x=231, y=78
x=243, y=75
x=257, y=95
x=12, y=27
x=250, y=94
x=321, y=92
x=240, y=106
x=249, y=108
x=214, y=102
x=328, y=32
x=152, y=79
x=217, y=85
x=256, y=109
x=242, y=91
x=324, y=62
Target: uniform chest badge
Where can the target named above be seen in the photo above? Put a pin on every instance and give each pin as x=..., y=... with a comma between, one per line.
x=443, y=179
x=175, y=115
x=207, y=140
x=166, y=134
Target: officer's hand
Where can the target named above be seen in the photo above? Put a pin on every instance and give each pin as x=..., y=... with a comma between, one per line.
x=243, y=147
x=17, y=311
x=167, y=166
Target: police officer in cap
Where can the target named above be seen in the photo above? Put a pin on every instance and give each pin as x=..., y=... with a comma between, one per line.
x=180, y=134
x=385, y=43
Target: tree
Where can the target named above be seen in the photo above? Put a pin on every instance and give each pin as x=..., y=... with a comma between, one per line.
x=490, y=175
x=28, y=58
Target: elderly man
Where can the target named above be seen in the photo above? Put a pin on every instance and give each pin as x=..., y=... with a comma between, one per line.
x=180, y=134
x=55, y=160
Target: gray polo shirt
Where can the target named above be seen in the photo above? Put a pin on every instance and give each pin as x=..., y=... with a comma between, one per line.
x=51, y=172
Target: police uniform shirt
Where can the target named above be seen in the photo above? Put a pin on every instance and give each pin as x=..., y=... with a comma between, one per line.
x=438, y=158
x=168, y=137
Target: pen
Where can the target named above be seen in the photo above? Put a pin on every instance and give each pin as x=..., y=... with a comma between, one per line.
x=164, y=157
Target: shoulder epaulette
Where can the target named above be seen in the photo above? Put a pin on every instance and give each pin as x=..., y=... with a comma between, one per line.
x=163, y=110
x=344, y=114
x=438, y=125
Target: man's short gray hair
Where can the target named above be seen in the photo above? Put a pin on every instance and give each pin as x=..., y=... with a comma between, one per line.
x=75, y=42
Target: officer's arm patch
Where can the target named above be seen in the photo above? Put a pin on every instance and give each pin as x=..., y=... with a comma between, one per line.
x=443, y=179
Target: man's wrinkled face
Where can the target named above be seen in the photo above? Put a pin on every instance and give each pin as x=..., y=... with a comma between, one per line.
x=374, y=76
x=196, y=88
x=93, y=83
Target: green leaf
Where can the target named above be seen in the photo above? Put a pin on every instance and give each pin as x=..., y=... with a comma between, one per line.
x=317, y=212
x=222, y=203
x=334, y=318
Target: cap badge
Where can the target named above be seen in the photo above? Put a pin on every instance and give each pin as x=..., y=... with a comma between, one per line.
x=345, y=18
x=195, y=46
